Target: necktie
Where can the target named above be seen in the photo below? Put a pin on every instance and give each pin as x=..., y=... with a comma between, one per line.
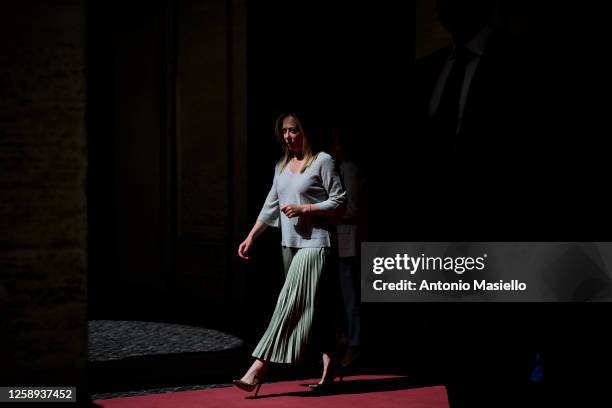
x=447, y=115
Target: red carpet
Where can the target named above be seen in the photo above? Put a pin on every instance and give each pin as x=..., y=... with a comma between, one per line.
x=355, y=392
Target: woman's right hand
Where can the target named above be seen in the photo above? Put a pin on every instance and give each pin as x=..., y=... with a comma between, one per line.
x=244, y=248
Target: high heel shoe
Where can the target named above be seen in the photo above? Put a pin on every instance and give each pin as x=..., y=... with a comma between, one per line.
x=323, y=387
x=328, y=384
x=248, y=387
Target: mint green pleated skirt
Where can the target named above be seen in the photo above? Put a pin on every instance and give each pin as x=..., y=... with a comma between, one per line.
x=300, y=311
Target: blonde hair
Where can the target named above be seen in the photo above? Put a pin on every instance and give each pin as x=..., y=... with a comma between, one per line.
x=308, y=154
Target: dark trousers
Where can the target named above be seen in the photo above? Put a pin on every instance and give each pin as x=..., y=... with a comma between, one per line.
x=351, y=297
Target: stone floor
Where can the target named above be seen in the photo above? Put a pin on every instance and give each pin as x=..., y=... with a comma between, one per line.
x=134, y=358
x=110, y=395
x=130, y=358
x=116, y=340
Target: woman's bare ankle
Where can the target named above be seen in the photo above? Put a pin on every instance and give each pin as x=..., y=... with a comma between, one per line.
x=256, y=371
x=330, y=367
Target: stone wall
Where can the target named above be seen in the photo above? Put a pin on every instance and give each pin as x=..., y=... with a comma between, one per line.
x=43, y=219
x=211, y=143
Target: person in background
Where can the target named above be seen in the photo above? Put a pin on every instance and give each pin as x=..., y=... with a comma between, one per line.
x=349, y=244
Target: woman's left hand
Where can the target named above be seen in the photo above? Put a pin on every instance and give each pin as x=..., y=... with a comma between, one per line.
x=294, y=210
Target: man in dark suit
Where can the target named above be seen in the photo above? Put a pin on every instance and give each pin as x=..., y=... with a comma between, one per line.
x=505, y=149
x=470, y=112
x=467, y=92
x=471, y=109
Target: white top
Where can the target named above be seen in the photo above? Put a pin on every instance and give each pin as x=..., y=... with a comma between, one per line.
x=319, y=184
x=347, y=229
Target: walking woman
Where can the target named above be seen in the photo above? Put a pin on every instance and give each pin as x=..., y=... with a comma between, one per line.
x=306, y=194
